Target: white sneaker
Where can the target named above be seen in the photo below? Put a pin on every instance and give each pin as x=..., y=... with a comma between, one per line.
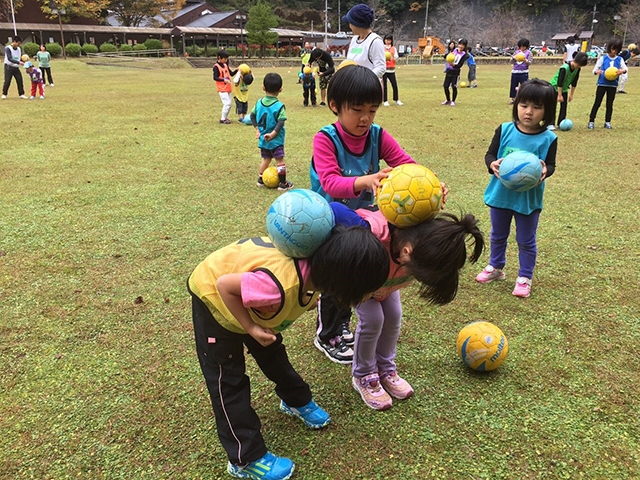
x=30, y=98
x=41, y=97
x=3, y=97
x=22, y=96
x=51, y=85
x=386, y=104
x=399, y=103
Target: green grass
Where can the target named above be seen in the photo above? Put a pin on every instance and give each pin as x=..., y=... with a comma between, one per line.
x=122, y=180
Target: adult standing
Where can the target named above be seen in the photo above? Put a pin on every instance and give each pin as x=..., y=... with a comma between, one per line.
x=366, y=48
x=44, y=63
x=12, y=64
x=570, y=49
x=326, y=68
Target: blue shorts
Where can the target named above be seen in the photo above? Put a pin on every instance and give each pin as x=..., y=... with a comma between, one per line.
x=277, y=152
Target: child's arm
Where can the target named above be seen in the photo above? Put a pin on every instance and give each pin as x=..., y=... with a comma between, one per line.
x=229, y=288
x=216, y=73
x=597, y=70
x=549, y=163
x=574, y=84
x=461, y=60
x=562, y=73
x=623, y=67
x=491, y=157
x=271, y=135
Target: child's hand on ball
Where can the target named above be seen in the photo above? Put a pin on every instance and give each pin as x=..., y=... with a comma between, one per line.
x=495, y=167
x=445, y=193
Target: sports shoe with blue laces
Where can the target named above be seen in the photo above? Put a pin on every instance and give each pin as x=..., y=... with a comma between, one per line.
x=269, y=467
x=311, y=414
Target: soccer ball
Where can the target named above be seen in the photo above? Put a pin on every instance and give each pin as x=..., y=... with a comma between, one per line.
x=482, y=346
x=463, y=84
x=24, y=57
x=611, y=73
x=298, y=222
x=244, y=68
x=409, y=195
x=346, y=63
x=270, y=176
x=307, y=70
x=450, y=58
x=387, y=55
x=520, y=57
x=566, y=124
x=520, y=171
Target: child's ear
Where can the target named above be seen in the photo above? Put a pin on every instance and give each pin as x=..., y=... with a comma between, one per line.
x=332, y=106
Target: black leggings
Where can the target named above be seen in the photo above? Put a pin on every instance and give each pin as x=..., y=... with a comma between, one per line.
x=46, y=71
x=563, y=107
x=611, y=96
x=391, y=76
x=451, y=81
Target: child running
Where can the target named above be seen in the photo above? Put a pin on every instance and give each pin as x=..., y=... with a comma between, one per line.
x=432, y=252
x=533, y=111
x=222, y=76
x=245, y=295
x=608, y=87
x=452, y=72
x=521, y=60
x=565, y=82
x=268, y=117
x=346, y=168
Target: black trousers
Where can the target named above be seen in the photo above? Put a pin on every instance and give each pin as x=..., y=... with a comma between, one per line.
x=451, y=81
x=309, y=91
x=611, y=96
x=9, y=73
x=46, y=73
x=222, y=361
x=563, y=108
x=391, y=76
x=331, y=317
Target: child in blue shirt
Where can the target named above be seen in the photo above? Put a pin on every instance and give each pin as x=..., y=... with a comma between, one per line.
x=471, y=76
x=608, y=87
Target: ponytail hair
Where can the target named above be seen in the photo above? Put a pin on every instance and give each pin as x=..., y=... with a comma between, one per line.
x=439, y=251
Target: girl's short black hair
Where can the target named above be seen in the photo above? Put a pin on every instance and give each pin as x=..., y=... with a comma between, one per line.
x=538, y=92
x=349, y=265
x=272, y=83
x=439, y=251
x=581, y=58
x=388, y=36
x=523, y=42
x=354, y=85
x=614, y=44
x=464, y=42
x=223, y=54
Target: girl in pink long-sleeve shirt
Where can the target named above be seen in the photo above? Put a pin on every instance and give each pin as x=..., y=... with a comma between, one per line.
x=346, y=168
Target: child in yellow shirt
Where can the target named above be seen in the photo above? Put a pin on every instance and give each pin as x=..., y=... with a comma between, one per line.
x=240, y=93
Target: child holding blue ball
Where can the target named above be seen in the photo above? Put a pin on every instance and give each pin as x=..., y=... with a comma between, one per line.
x=534, y=110
x=243, y=296
x=565, y=82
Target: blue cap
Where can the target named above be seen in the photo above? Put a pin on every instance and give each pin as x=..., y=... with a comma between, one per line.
x=360, y=16
x=28, y=65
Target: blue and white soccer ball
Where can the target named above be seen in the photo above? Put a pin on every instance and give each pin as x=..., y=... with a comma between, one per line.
x=298, y=222
x=520, y=171
x=566, y=124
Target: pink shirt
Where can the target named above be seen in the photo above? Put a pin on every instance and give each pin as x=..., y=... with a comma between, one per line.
x=326, y=163
x=259, y=290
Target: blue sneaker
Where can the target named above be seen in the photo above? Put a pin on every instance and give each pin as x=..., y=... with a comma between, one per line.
x=311, y=414
x=269, y=467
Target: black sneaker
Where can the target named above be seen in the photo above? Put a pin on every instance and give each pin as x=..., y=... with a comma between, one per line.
x=322, y=104
x=346, y=334
x=336, y=350
x=260, y=183
x=285, y=186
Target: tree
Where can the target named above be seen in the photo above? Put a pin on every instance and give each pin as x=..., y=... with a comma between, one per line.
x=573, y=20
x=131, y=13
x=75, y=8
x=506, y=26
x=454, y=20
x=5, y=9
x=261, y=21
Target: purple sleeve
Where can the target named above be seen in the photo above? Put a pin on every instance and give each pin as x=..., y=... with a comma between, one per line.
x=392, y=152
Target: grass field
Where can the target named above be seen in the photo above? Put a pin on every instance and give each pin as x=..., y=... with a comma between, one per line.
x=119, y=183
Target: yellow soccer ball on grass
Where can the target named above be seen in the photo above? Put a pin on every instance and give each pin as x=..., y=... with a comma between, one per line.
x=482, y=346
x=410, y=195
x=463, y=84
x=270, y=177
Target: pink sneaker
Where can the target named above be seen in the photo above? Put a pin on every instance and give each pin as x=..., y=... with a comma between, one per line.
x=372, y=392
x=446, y=102
x=489, y=274
x=396, y=386
x=523, y=287
x=453, y=104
